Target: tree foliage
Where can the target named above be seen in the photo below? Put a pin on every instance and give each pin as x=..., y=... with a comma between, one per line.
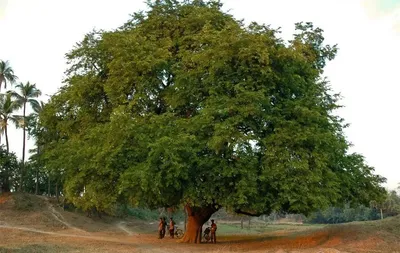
x=8, y=106
x=184, y=104
x=8, y=170
x=6, y=74
x=26, y=94
x=334, y=215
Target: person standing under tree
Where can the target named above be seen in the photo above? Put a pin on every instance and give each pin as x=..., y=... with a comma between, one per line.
x=164, y=227
x=213, y=232
x=160, y=229
x=171, y=227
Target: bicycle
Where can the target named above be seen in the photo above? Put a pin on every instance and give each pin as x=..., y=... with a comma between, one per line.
x=206, y=234
x=178, y=233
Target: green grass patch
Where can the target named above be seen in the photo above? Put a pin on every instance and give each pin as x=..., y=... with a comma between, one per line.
x=260, y=228
x=390, y=225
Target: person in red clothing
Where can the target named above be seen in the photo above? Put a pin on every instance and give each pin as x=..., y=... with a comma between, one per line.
x=171, y=227
x=213, y=232
x=160, y=229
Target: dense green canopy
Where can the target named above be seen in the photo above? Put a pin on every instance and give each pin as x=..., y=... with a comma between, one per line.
x=8, y=170
x=186, y=105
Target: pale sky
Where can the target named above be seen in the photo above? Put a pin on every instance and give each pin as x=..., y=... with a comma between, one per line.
x=36, y=34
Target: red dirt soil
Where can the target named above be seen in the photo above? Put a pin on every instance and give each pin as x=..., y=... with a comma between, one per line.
x=39, y=231
x=4, y=197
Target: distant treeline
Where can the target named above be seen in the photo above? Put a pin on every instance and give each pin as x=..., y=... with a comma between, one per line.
x=333, y=215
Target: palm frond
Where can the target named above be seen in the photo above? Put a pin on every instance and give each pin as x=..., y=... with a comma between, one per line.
x=3, y=123
x=15, y=95
x=37, y=107
x=6, y=74
x=26, y=92
x=11, y=77
x=8, y=105
x=33, y=103
x=17, y=120
x=15, y=105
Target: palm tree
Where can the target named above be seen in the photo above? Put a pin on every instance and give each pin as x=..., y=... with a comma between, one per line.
x=27, y=93
x=32, y=119
x=7, y=107
x=33, y=126
x=6, y=74
x=35, y=130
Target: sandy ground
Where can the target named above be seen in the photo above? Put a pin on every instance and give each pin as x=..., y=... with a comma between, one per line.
x=49, y=229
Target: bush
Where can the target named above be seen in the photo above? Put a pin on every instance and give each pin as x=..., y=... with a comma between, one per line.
x=334, y=215
x=27, y=202
x=143, y=214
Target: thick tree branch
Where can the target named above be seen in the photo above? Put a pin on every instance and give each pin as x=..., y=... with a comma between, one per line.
x=202, y=211
x=255, y=214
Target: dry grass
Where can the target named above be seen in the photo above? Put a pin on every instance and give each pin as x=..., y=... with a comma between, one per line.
x=36, y=230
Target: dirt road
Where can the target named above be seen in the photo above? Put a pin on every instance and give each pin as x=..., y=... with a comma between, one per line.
x=47, y=228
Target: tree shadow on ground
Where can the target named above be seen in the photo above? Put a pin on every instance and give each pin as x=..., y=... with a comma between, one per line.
x=290, y=241
x=245, y=239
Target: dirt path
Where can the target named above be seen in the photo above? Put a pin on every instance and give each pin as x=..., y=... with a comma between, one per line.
x=143, y=244
x=122, y=225
x=58, y=216
x=37, y=231
x=91, y=237
x=319, y=242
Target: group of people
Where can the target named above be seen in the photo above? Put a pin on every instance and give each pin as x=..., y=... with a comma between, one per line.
x=211, y=232
x=162, y=227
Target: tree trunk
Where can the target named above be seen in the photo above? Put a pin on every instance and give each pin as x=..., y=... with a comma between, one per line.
x=381, y=214
x=37, y=181
x=194, y=227
x=48, y=186
x=21, y=180
x=6, y=134
x=184, y=226
x=57, y=192
x=5, y=186
x=3, y=79
x=37, y=172
x=197, y=216
x=5, y=182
